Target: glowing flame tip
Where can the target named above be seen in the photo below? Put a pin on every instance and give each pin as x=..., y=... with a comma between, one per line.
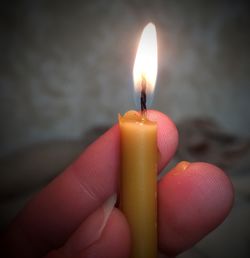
x=145, y=66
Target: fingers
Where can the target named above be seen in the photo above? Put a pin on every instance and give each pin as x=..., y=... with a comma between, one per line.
x=193, y=200
x=167, y=136
x=52, y=216
x=87, y=241
x=114, y=241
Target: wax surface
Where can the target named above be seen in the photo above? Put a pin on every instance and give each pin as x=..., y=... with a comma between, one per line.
x=139, y=181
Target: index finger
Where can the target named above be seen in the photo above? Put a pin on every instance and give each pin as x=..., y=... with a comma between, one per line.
x=51, y=217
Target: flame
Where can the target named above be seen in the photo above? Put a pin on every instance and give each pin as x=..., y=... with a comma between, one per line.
x=145, y=66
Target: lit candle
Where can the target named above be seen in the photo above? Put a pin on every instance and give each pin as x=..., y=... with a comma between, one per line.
x=139, y=153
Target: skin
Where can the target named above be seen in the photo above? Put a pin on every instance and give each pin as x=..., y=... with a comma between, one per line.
x=62, y=220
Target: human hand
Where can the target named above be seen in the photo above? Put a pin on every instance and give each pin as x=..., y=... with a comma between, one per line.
x=71, y=217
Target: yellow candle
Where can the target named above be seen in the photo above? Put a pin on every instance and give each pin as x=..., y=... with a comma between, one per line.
x=139, y=154
x=138, y=182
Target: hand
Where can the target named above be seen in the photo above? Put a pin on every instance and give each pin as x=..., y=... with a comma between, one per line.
x=72, y=218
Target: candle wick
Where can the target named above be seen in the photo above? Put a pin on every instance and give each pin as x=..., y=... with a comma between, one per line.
x=143, y=96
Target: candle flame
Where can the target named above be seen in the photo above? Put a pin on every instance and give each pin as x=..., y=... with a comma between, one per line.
x=145, y=66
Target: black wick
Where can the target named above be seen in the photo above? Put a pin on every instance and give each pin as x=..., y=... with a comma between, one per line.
x=143, y=96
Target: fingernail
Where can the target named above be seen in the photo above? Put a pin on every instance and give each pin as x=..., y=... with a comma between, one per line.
x=91, y=230
x=181, y=166
x=107, y=209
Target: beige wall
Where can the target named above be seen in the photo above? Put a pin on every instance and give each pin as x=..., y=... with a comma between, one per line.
x=67, y=67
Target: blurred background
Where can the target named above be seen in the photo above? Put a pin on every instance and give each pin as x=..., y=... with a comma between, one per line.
x=66, y=72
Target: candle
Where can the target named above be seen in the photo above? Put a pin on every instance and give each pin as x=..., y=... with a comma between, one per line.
x=139, y=154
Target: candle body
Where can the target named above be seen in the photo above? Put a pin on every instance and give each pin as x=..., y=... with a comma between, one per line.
x=139, y=182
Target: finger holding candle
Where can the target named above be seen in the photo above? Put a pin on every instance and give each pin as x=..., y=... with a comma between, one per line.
x=170, y=229
x=100, y=235
x=114, y=241
x=169, y=240
x=194, y=199
x=89, y=181
x=167, y=137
